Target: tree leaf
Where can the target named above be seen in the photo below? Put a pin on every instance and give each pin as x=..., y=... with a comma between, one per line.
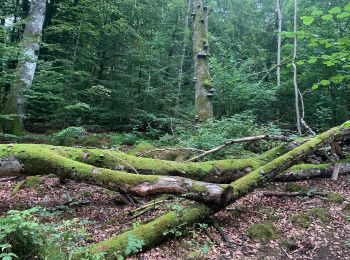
x=307, y=20
x=347, y=8
x=343, y=15
x=325, y=82
x=335, y=10
x=312, y=60
x=327, y=17
x=314, y=86
x=317, y=13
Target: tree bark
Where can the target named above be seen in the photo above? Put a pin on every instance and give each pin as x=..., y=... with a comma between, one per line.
x=40, y=160
x=279, y=42
x=295, y=72
x=26, y=68
x=204, y=89
x=183, y=53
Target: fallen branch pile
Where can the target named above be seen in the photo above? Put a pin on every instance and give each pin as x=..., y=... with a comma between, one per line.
x=213, y=184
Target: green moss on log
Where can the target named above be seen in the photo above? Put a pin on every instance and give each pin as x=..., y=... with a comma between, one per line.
x=154, y=232
x=282, y=163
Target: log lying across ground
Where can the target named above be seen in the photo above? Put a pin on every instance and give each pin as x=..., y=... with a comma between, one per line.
x=240, y=188
x=69, y=163
x=41, y=160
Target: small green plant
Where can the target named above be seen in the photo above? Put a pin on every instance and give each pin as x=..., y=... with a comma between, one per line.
x=22, y=236
x=335, y=198
x=86, y=194
x=33, y=181
x=134, y=245
x=304, y=219
x=301, y=220
x=263, y=232
x=176, y=231
x=294, y=187
x=319, y=213
x=68, y=136
x=142, y=147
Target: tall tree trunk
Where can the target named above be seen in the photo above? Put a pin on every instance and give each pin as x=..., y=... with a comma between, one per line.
x=279, y=42
x=183, y=53
x=204, y=90
x=26, y=68
x=295, y=82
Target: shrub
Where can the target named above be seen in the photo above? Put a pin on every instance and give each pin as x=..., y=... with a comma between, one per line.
x=22, y=236
x=68, y=136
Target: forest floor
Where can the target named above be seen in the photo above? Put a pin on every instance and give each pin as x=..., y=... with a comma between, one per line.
x=293, y=227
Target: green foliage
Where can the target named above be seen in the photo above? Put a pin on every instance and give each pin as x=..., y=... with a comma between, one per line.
x=216, y=132
x=335, y=197
x=23, y=237
x=134, y=245
x=264, y=232
x=68, y=136
x=33, y=181
x=304, y=220
x=141, y=147
x=294, y=187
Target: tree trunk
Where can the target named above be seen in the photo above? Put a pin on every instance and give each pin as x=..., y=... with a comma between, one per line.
x=26, y=68
x=40, y=160
x=295, y=72
x=183, y=53
x=279, y=42
x=204, y=89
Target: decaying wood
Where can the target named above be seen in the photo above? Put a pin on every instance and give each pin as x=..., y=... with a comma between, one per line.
x=240, y=140
x=240, y=188
x=336, y=171
x=294, y=194
x=310, y=171
x=142, y=154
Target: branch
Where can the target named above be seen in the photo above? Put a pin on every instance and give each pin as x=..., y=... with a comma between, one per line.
x=240, y=140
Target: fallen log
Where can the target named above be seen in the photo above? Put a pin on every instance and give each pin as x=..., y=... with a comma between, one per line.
x=282, y=163
x=217, y=171
x=240, y=187
x=312, y=171
x=41, y=160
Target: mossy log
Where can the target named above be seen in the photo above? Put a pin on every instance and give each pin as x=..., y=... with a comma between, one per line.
x=151, y=236
x=154, y=232
x=217, y=171
x=282, y=163
x=40, y=160
x=312, y=171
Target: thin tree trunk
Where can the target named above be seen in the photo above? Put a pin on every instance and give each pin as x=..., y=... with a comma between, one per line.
x=26, y=68
x=204, y=89
x=295, y=82
x=279, y=42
